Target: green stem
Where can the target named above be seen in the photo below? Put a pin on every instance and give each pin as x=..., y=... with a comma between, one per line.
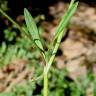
x=47, y=67
x=45, y=82
x=16, y=24
x=54, y=51
x=11, y=20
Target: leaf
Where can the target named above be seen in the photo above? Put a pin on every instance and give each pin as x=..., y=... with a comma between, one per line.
x=72, y=2
x=65, y=19
x=32, y=28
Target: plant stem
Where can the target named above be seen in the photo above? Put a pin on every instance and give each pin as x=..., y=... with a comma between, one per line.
x=58, y=40
x=16, y=24
x=11, y=20
x=47, y=67
x=45, y=82
x=54, y=51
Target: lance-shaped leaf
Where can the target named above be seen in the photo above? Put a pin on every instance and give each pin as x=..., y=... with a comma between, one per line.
x=66, y=18
x=72, y=2
x=32, y=28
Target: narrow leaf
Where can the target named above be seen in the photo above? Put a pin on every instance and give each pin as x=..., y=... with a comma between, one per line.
x=65, y=20
x=72, y=2
x=32, y=28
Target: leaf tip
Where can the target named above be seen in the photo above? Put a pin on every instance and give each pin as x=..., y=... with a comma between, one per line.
x=25, y=9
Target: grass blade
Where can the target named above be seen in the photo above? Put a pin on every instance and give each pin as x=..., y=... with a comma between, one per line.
x=32, y=28
x=65, y=20
x=72, y=2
